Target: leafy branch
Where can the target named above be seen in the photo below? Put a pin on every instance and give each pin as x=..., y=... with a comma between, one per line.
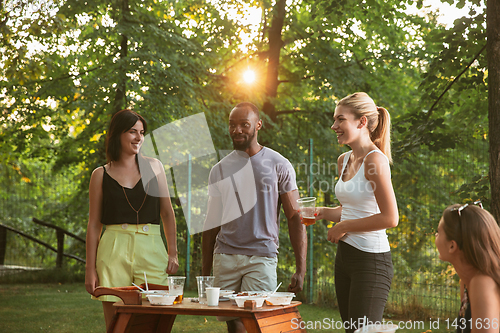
x=280, y=113
x=63, y=77
x=454, y=80
x=358, y=62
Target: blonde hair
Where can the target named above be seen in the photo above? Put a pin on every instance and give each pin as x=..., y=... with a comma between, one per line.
x=477, y=235
x=379, y=120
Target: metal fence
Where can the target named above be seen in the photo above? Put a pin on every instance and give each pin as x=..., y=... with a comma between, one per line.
x=47, y=196
x=423, y=286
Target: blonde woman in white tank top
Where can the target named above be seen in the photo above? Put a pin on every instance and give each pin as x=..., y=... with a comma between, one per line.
x=363, y=265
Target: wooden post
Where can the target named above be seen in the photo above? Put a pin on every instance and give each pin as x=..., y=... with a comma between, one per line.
x=3, y=244
x=310, y=230
x=60, y=248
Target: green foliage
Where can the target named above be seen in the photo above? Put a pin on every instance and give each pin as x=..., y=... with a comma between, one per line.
x=453, y=89
x=64, y=73
x=58, y=113
x=477, y=189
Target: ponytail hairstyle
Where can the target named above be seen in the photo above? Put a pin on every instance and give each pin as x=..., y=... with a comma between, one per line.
x=379, y=120
x=478, y=236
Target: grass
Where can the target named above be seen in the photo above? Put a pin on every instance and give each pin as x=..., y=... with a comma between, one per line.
x=423, y=301
x=68, y=308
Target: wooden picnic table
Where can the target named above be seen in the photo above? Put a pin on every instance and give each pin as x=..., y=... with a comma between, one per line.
x=154, y=318
x=134, y=314
x=141, y=316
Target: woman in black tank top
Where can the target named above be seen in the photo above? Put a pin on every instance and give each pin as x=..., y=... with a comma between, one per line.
x=469, y=238
x=129, y=195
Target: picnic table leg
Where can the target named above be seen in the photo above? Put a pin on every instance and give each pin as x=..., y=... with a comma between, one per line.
x=165, y=324
x=251, y=325
x=120, y=322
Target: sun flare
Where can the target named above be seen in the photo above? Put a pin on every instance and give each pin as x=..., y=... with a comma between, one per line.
x=249, y=76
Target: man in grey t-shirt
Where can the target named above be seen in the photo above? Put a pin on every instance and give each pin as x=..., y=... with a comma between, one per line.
x=246, y=189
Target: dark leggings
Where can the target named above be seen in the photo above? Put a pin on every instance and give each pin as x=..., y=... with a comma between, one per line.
x=362, y=284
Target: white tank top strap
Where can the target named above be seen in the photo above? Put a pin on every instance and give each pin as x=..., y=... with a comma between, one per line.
x=375, y=150
x=344, y=162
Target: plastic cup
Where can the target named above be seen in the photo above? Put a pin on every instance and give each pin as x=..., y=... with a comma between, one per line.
x=212, y=296
x=204, y=282
x=307, y=208
x=176, y=287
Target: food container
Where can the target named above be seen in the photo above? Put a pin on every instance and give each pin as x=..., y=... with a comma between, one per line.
x=145, y=294
x=231, y=298
x=226, y=293
x=161, y=299
x=240, y=300
x=279, y=298
x=251, y=293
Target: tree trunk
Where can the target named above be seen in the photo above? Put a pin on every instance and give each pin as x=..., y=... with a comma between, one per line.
x=275, y=45
x=3, y=244
x=121, y=87
x=493, y=54
x=196, y=263
x=60, y=248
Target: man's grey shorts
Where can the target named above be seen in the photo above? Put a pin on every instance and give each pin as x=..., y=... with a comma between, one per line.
x=244, y=273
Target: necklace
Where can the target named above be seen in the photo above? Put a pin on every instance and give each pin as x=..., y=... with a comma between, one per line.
x=143, y=201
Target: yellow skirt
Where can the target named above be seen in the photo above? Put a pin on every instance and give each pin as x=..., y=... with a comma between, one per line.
x=125, y=252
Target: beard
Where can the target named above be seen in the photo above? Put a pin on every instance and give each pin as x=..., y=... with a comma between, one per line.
x=243, y=145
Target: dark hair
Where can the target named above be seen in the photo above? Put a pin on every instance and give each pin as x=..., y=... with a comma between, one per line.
x=250, y=106
x=478, y=236
x=121, y=122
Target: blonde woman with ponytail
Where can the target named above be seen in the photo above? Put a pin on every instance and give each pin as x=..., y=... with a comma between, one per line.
x=363, y=264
